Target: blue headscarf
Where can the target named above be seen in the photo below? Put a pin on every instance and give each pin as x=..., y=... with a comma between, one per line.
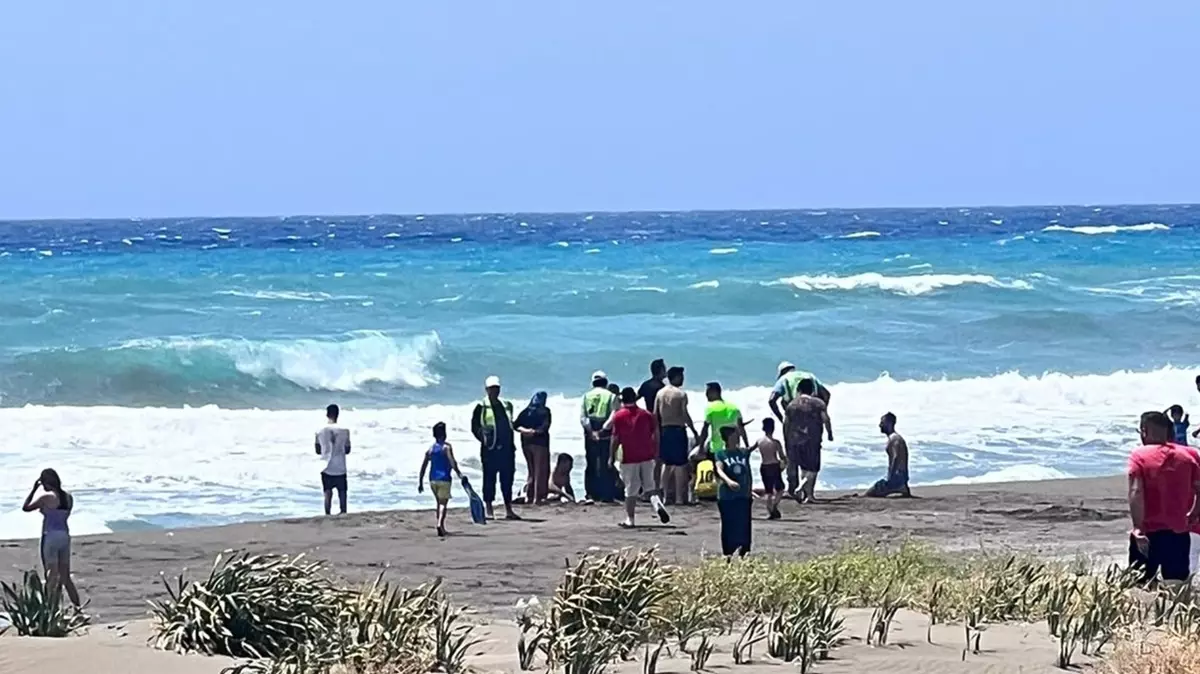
x=534, y=415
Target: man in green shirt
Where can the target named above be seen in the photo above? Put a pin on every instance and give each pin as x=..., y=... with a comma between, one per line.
x=720, y=414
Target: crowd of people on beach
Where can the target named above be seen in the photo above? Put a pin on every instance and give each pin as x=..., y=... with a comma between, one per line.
x=653, y=451
x=640, y=445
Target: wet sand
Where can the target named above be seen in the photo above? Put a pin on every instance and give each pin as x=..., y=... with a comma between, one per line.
x=489, y=567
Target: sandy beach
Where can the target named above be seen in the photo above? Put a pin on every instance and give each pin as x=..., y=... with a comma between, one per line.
x=490, y=567
x=1015, y=649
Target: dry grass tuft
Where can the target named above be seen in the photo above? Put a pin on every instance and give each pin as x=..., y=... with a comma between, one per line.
x=1153, y=653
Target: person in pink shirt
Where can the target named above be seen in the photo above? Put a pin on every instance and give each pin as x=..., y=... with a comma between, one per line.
x=1164, y=485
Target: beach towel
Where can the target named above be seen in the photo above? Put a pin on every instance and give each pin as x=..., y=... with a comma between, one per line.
x=478, y=513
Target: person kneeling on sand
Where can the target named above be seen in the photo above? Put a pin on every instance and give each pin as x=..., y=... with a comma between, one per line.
x=1164, y=500
x=896, y=481
x=635, y=433
x=439, y=460
x=560, y=479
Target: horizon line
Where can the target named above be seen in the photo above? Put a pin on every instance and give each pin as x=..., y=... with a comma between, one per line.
x=134, y=218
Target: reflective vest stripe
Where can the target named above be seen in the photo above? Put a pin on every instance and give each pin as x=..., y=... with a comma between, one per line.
x=488, y=419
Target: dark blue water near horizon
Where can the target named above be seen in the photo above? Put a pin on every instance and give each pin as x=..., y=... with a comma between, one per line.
x=196, y=311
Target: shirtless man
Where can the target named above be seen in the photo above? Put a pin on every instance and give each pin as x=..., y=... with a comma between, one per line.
x=674, y=422
x=803, y=420
x=896, y=481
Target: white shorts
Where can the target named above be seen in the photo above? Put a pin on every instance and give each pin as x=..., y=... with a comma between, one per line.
x=638, y=477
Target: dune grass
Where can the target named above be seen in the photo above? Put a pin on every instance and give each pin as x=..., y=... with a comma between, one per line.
x=284, y=615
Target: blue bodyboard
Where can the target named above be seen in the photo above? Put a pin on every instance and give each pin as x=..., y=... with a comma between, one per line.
x=478, y=512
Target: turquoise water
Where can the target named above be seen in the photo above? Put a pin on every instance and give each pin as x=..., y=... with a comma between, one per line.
x=1013, y=342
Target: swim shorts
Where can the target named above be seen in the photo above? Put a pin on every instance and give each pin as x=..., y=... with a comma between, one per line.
x=673, y=446
x=441, y=490
x=331, y=482
x=807, y=456
x=772, y=477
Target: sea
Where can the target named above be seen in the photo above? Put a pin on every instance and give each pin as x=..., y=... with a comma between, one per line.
x=174, y=370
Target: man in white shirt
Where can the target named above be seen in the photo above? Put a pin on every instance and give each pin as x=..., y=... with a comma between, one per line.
x=333, y=444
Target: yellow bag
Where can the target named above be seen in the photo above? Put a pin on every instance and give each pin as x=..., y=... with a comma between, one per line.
x=706, y=480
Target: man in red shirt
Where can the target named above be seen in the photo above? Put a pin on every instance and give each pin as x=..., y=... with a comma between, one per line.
x=1164, y=484
x=635, y=438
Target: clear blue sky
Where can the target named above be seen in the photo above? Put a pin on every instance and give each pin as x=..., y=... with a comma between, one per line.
x=240, y=107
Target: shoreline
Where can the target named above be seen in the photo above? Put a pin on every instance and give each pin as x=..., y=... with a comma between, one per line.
x=490, y=567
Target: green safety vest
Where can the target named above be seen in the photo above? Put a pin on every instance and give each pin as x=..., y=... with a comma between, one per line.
x=791, y=384
x=488, y=418
x=598, y=404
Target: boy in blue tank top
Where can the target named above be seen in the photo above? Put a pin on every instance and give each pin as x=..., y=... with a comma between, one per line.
x=439, y=460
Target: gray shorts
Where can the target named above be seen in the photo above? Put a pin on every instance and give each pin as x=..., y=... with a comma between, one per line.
x=56, y=548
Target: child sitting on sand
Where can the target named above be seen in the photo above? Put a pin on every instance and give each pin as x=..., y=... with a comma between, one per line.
x=439, y=459
x=560, y=480
x=1180, y=422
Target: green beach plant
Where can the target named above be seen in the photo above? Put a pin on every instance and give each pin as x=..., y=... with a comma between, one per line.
x=35, y=609
x=754, y=632
x=650, y=658
x=703, y=652
x=249, y=606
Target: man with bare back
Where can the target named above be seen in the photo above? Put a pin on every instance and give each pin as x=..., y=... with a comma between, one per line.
x=896, y=481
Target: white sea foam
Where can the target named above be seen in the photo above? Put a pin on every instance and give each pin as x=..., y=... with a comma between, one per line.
x=452, y=298
x=646, y=289
x=706, y=284
x=723, y=251
x=862, y=235
x=917, y=284
x=361, y=359
x=148, y=463
x=1022, y=472
x=289, y=295
x=1108, y=229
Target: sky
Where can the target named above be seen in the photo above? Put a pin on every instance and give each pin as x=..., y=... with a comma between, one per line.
x=272, y=107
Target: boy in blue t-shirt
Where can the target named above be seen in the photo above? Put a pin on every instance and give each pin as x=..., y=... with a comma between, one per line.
x=1180, y=422
x=734, y=495
x=439, y=459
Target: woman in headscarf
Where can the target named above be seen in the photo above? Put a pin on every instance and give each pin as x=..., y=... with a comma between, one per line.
x=533, y=423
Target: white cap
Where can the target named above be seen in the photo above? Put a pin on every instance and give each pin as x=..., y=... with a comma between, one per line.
x=599, y=374
x=785, y=365
x=491, y=381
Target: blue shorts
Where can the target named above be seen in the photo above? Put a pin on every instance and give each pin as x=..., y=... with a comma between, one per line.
x=673, y=446
x=894, y=483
